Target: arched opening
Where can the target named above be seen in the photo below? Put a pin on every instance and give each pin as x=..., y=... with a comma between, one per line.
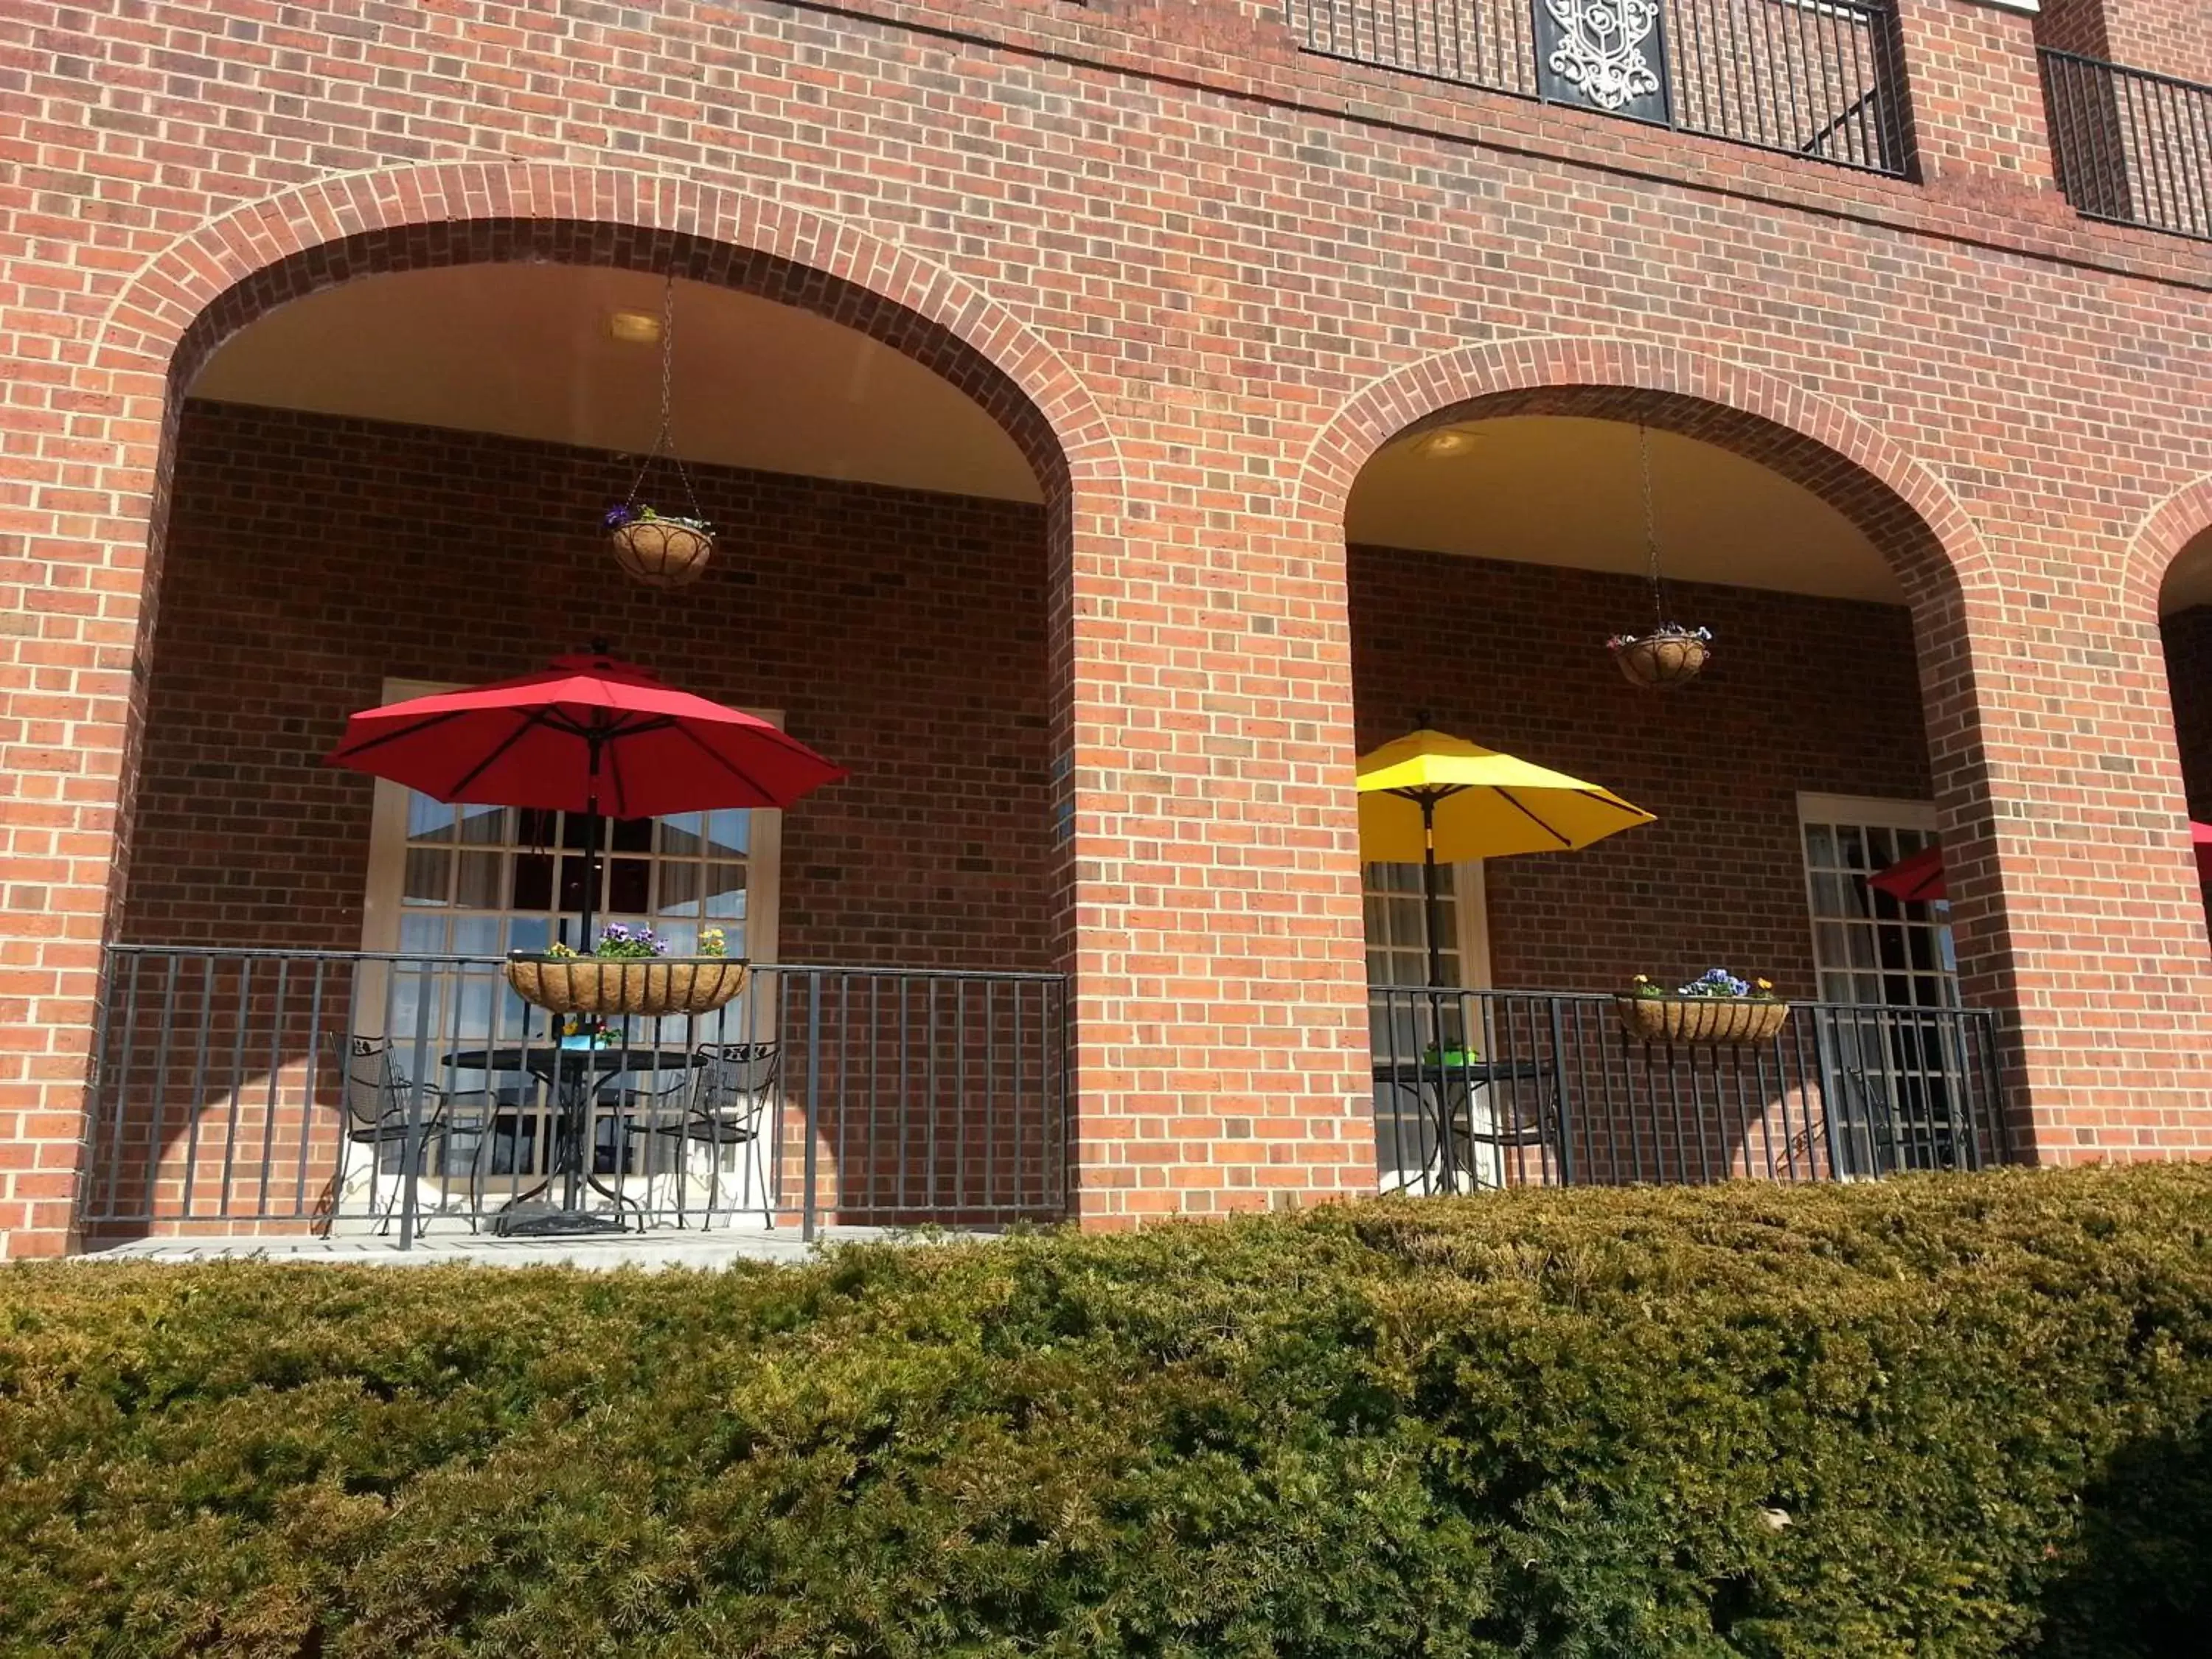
x=1493, y=549
x=2185, y=626
x=387, y=470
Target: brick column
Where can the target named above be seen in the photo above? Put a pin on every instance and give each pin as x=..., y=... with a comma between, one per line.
x=1975, y=104
x=73, y=541
x=1221, y=1041
x=2074, y=892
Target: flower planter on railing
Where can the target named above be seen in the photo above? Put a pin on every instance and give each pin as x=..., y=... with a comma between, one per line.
x=1729, y=1021
x=1717, y=1008
x=650, y=986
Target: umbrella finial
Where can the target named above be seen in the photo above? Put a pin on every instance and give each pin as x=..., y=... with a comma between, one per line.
x=601, y=648
x=1423, y=720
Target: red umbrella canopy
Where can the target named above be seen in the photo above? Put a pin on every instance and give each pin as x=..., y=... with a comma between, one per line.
x=1918, y=878
x=588, y=734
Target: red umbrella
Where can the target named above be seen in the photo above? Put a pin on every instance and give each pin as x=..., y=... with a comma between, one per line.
x=1917, y=877
x=589, y=735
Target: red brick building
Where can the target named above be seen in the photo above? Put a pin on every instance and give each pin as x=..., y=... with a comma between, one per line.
x=1118, y=417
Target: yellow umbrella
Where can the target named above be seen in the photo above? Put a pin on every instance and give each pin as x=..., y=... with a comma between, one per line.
x=1428, y=797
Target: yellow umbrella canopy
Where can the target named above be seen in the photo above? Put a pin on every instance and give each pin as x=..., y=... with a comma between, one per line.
x=1484, y=804
x=1429, y=797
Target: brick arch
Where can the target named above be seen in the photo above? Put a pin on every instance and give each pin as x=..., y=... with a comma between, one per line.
x=204, y=286
x=2172, y=525
x=1806, y=438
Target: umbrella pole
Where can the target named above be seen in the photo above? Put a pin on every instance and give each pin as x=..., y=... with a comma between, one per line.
x=1428, y=887
x=591, y=846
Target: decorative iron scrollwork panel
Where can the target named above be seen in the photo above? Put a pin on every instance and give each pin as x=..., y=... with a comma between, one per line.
x=1609, y=54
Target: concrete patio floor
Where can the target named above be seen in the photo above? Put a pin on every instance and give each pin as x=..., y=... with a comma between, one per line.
x=720, y=1248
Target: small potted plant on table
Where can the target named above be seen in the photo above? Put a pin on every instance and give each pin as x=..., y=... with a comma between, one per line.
x=628, y=972
x=1715, y=1008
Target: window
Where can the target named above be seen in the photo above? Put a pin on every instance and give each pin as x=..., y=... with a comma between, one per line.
x=1867, y=947
x=1403, y=1027
x=484, y=880
x=1397, y=939
x=1891, y=1079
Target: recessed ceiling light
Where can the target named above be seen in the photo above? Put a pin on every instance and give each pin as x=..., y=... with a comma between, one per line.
x=1449, y=441
x=634, y=327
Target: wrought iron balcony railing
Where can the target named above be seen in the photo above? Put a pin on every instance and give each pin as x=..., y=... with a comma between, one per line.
x=270, y=1091
x=1816, y=78
x=1476, y=1089
x=2131, y=147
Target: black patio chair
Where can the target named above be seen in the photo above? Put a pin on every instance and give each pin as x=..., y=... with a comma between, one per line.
x=378, y=1097
x=727, y=1101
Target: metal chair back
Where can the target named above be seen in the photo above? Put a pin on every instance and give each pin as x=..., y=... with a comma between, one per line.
x=735, y=1084
x=375, y=1093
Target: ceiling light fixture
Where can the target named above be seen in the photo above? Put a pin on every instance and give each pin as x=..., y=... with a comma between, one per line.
x=1449, y=441
x=634, y=327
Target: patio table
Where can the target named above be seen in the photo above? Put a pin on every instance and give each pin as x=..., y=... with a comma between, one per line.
x=1444, y=1092
x=573, y=1068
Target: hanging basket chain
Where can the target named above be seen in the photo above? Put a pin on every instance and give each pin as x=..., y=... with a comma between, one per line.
x=1651, y=529
x=664, y=438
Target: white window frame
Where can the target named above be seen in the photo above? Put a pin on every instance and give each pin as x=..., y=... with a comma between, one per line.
x=387, y=853
x=1470, y=904
x=1874, y=812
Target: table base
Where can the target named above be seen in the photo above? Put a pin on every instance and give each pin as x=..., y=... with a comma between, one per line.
x=542, y=1221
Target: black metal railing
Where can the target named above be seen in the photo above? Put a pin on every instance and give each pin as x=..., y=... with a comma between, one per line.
x=1817, y=78
x=265, y=1090
x=1476, y=1089
x=2131, y=147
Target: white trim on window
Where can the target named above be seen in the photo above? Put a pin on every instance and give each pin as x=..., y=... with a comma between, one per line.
x=1882, y=810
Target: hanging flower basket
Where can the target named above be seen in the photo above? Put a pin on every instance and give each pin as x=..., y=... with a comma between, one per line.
x=1668, y=656
x=604, y=985
x=658, y=552
x=1718, y=1008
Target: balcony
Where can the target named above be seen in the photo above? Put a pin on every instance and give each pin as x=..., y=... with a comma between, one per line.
x=250, y=1095
x=386, y=1095
x=1478, y=1091
x=2131, y=148
x=1819, y=79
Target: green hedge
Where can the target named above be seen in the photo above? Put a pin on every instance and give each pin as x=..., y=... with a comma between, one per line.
x=1955, y=1416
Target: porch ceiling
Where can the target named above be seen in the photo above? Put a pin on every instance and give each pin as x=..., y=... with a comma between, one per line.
x=1566, y=490
x=524, y=351
x=2189, y=578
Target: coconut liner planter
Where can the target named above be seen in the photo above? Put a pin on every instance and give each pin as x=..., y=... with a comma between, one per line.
x=1727, y=1020
x=625, y=985
x=662, y=552
x=1659, y=661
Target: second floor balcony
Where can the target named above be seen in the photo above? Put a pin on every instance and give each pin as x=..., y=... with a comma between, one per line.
x=1821, y=79
x=2129, y=146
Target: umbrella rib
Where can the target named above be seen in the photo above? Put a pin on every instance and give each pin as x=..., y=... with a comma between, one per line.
x=1506, y=795
x=414, y=729
x=729, y=765
x=614, y=773
x=1604, y=800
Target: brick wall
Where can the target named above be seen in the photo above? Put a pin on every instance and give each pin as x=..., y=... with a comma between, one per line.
x=2172, y=37
x=2074, y=25
x=1189, y=248
x=1803, y=693
x=901, y=633
x=312, y=557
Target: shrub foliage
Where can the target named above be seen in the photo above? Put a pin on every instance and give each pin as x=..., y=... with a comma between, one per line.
x=1941, y=1416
